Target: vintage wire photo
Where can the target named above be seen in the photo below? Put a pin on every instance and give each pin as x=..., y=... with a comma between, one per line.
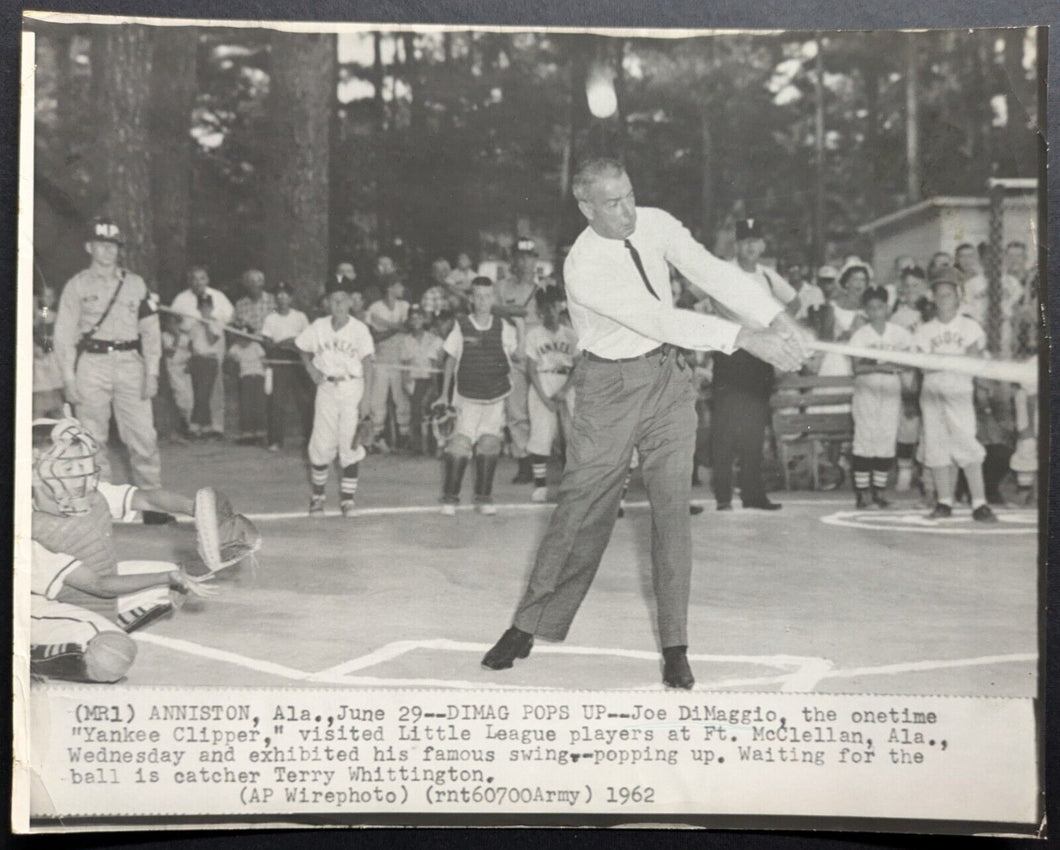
x=438, y=424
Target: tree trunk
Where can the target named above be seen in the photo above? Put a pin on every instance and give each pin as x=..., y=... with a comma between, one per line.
x=876, y=172
x=121, y=66
x=296, y=187
x=706, y=222
x=174, y=84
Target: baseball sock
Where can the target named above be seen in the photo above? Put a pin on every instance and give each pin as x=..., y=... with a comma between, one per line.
x=862, y=473
x=454, y=476
x=318, y=476
x=944, y=482
x=540, y=467
x=974, y=473
x=880, y=472
x=485, y=467
x=348, y=485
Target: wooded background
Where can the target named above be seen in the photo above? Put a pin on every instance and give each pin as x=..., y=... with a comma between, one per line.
x=242, y=148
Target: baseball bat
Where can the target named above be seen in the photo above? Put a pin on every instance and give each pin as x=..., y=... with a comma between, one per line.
x=227, y=328
x=1024, y=373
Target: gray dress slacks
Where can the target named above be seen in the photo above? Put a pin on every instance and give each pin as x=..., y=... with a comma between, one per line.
x=649, y=403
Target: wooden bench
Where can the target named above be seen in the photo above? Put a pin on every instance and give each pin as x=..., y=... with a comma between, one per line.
x=808, y=411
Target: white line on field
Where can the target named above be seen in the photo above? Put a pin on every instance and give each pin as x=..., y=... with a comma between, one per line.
x=221, y=655
x=921, y=666
x=511, y=507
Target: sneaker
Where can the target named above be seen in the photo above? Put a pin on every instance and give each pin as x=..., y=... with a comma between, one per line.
x=448, y=509
x=879, y=501
x=941, y=512
x=316, y=505
x=984, y=514
x=695, y=510
x=486, y=508
x=348, y=507
x=861, y=500
x=621, y=510
x=724, y=506
x=540, y=494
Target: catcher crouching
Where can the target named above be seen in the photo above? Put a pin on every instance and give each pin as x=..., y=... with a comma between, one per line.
x=84, y=601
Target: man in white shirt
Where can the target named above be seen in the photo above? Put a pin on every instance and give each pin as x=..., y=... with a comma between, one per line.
x=635, y=391
x=187, y=303
x=387, y=318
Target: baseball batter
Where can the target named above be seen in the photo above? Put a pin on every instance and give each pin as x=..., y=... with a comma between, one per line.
x=877, y=401
x=480, y=347
x=550, y=348
x=338, y=353
x=947, y=401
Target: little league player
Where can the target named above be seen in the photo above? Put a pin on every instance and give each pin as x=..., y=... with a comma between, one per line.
x=550, y=350
x=83, y=601
x=877, y=401
x=947, y=401
x=338, y=354
x=480, y=347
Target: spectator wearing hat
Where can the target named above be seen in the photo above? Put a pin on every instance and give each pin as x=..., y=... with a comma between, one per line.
x=291, y=384
x=386, y=319
x=742, y=386
x=249, y=357
x=515, y=302
x=187, y=304
x=421, y=359
x=109, y=346
x=206, y=339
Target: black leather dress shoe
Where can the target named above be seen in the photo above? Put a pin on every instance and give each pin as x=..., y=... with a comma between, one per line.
x=676, y=671
x=763, y=504
x=513, y=644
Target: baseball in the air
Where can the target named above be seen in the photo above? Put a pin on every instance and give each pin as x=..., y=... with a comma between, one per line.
x=600, y=92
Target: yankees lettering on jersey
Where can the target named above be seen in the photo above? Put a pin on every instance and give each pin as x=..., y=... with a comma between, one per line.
x=337, y=353
x=893, y=338
x=551, y=350
x=953, y=337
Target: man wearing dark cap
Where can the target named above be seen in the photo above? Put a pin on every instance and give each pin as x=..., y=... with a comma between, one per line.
x=515, y=302
x=109, y=347
x=742, y=386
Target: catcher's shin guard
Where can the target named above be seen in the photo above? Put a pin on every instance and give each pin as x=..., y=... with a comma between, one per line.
x=454, y=477
x=485, y=467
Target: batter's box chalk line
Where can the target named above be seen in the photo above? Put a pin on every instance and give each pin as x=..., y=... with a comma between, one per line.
x=804, y=673
x=916, y=521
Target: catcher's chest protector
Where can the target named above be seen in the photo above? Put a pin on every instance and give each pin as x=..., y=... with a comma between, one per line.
x=88, y=538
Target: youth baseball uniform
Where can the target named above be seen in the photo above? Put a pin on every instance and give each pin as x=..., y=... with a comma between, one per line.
x=337, y=355
x=552, y=353
x=947, y=398
x=877, y=400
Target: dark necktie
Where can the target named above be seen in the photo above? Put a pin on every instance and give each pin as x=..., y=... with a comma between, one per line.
x=640, y=267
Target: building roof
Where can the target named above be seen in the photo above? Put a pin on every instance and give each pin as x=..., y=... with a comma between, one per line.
x=938, y=202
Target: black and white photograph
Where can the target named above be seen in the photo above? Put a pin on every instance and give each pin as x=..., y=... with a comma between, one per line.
x=438, y=422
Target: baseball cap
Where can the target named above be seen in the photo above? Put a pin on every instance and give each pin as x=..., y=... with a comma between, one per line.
x=946, y=274
x=749, y=228
x=827, y=273
x=105, y=230
x=283, y=287
x=526, y=246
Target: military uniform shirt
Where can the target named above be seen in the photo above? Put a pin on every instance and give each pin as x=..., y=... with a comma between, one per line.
x=133, y=316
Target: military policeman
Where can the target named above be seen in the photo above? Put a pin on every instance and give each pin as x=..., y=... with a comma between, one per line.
x=108, y=343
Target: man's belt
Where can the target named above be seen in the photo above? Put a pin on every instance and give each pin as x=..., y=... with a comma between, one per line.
x=659, y=349
x=562, y=370
x=105, y=346
x=332, y=379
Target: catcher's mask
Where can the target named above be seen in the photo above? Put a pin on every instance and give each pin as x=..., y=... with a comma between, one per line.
x=65, y=465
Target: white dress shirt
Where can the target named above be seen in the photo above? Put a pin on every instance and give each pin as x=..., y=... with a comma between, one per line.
x=616, y=317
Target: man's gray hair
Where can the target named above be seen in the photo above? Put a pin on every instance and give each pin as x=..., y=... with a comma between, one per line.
x=592, y=170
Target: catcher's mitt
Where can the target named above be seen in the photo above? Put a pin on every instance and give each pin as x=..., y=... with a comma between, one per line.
x=223, y=538
x=443, y=421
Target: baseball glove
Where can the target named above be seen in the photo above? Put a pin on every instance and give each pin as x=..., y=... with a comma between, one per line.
x=223, y=538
